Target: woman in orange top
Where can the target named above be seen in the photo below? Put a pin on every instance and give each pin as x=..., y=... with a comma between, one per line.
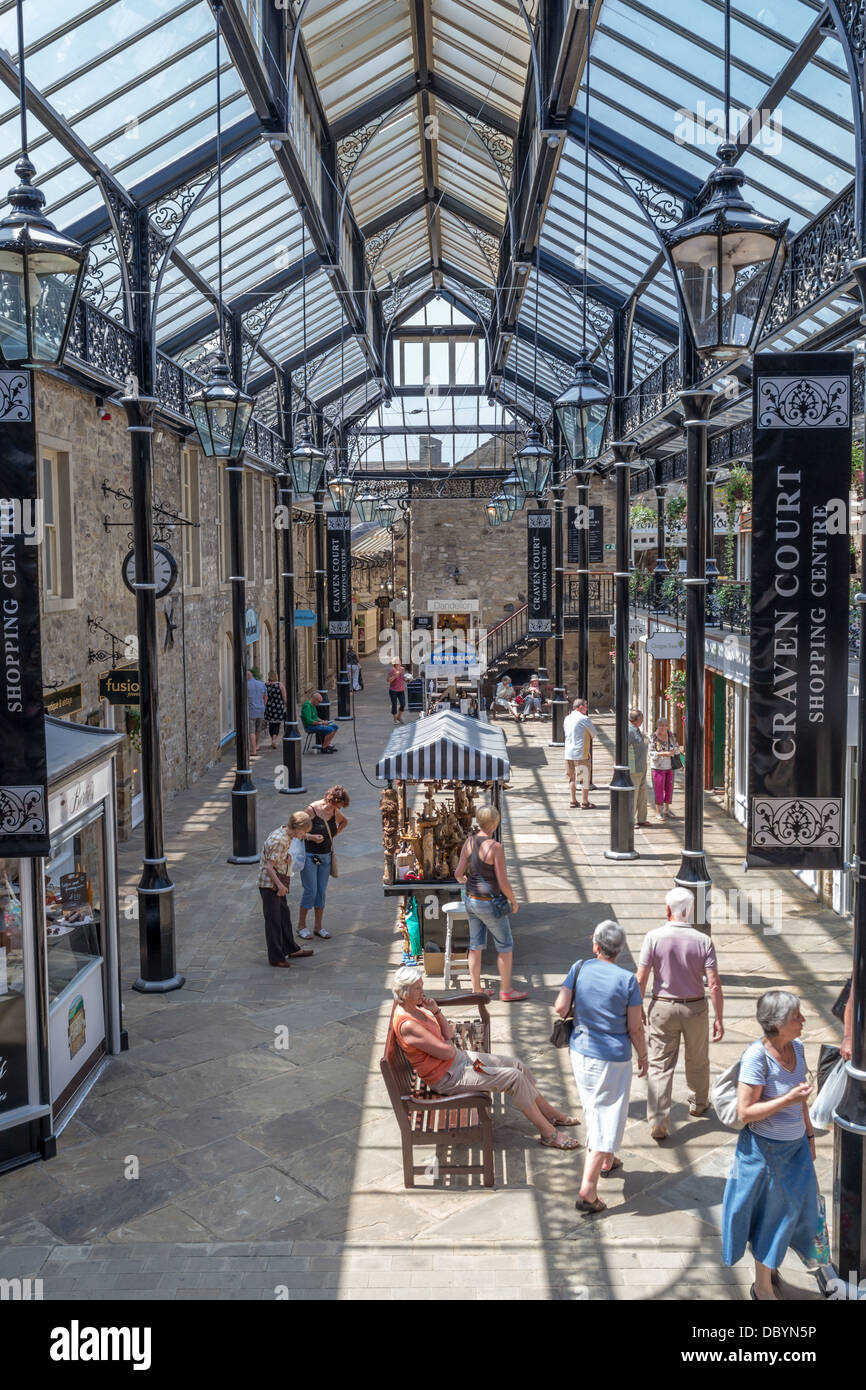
x=427, y=1040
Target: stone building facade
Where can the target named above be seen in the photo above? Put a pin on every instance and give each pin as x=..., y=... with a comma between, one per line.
x=83, y=444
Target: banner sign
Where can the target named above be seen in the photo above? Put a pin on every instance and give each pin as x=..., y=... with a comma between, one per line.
x=23, y=777
x=595, y=538
x=339, y=572
x=799, y=636
x=63, y=701
x=539, y=531
x=121, y=686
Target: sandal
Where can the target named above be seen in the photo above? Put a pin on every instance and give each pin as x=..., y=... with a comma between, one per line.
x=590, y=806
x=325, y=935
x=567, y=1122
x=588, y=1208
x=513, y=996
x=560, y=1141
x=606, y=1172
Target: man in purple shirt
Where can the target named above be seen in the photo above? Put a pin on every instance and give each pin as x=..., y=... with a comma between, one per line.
x=679, y=956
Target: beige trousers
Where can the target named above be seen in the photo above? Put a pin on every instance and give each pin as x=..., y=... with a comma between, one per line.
x=639, y=779
x=667, y=1024
x=497, y=1073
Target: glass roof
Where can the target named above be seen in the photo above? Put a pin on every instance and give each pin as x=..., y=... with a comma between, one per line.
x=440, y=86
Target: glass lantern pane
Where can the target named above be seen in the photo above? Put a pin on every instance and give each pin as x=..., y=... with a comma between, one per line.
x=13, y=313
x=49, y=312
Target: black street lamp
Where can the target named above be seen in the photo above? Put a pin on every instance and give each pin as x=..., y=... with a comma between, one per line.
x=621, y=785
x=306, y=463
x=387, y=513
x=368, y=505
x=728, y=258
x=532, y=464
x=503, y=509
x=342, y=490
x=221, y=414
x=41, y=270
x=583, y=412
x=512, y=488
x=493, y=513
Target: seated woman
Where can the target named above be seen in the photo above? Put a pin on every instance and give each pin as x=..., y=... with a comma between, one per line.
x=426, y=1039
x=532, y=699
x=506, y=697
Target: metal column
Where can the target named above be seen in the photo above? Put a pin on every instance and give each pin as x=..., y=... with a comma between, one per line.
x=583, y=588
x=244, y=848
x=324, y=709
x=693, y=873
x=558, y=709
x=621, y=786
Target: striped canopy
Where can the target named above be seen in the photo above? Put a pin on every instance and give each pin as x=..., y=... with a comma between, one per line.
x=445, y=745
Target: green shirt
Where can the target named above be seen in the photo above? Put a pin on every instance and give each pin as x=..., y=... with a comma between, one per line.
x=308, y=713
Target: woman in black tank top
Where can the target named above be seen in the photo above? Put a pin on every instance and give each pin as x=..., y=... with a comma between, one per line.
x=485, y=879
x=328, y=822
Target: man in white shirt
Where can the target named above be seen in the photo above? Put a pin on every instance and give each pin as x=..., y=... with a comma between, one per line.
x=579, y=732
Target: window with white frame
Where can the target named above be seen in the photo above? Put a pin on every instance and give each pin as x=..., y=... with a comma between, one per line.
x=251, y=526
x=191, y=510
x=267, y=528
x=223, y=530
x=58, y=576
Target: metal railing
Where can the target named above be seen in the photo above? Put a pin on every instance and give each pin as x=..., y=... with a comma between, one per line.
x=601, y=593
x=507, y=633
x=729, y=601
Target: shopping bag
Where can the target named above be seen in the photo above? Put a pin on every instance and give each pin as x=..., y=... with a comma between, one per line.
x=820, y=1250
x=829, y=1097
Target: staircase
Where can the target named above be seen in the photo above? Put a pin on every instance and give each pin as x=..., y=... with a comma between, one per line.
x=509, y=642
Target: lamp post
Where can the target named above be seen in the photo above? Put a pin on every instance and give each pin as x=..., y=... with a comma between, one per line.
x=661, y=566
x=583, y=585
x=621, y=785
x=324, y=708
x=849, y=1133
x=712, y=569
x=292, y=759
x=342, y=489
x=558, y=708
x=693, y=872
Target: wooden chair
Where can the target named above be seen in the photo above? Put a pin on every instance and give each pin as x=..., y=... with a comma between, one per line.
x=427, y=1119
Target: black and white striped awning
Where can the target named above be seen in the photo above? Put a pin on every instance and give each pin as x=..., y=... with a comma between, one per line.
x=446, y=745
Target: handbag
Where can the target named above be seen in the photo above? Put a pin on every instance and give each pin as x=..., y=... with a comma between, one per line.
x=819, y=1252
x=827, y=1059
x=724, y=1098
x=676, y=762
x=335, y=873
x=838, y=1009
x=560, y=1033
x=829, y=1097
x=500, y=906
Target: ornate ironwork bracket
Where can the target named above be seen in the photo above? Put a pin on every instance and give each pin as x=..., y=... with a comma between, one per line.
x=117, y=643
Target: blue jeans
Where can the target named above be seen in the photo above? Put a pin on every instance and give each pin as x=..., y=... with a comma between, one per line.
x=481, y=919
x=314, y=878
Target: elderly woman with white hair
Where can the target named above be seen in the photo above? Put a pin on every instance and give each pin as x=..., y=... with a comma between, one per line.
x=427, y=1040
x=606, y=1002
x=771, y=1196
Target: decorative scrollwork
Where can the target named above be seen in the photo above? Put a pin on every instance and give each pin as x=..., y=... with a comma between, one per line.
x=660, y=205
x=169, y=384
x=854, y=18
x=819, y=258
x=561, y=371
x=22, y=810
x=814, y=402
x=108, y=297
x=651, y=351
x=166, y=216
x=375, y=245
x=482, y=303
x=500, y=147
x=392, y=305
x=793, y=822
x=352, y=146
x=15, y=401
x=108, y=345
x=488, y=245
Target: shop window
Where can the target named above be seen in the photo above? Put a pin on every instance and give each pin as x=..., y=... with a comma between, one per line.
x=58, y=577
x=227, y=717
x=13, y=1003
x=191, y=510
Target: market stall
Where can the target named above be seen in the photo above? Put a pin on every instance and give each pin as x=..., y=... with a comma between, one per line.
x=461, y=763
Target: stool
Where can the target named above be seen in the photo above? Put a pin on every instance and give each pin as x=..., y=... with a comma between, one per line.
x=311, y=734
x=452, y=911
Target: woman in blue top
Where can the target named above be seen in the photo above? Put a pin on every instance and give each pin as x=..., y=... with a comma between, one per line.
x=607, y=1022
x=771, y=1196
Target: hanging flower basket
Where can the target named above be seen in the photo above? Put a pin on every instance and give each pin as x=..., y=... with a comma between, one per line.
x=676, y=691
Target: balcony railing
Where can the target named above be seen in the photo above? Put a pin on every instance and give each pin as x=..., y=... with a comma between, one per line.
x=600, y=595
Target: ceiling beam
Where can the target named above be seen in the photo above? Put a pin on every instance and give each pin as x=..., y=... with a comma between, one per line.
x=419, y=12
x=552, y=266
x=638, y=159
x=369, y=112
x=203, y=327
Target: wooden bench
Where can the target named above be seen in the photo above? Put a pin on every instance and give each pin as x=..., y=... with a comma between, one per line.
x=428, y=1119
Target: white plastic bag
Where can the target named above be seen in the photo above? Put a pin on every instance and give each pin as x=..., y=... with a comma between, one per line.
x=829, y=1097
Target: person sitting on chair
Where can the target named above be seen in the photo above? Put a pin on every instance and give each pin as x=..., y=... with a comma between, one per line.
x=427, y=1041
x=312, y=722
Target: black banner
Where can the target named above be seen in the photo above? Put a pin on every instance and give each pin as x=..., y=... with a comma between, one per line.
x=23, y=779
x=539, y=530
x=799, y=638
x=339, y=572
x=596, y=535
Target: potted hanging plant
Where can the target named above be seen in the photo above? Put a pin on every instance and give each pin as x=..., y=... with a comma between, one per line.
x=643, y=515
x=675, y=511
x=676, y=691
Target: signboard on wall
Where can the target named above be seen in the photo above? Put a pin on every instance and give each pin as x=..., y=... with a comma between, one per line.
x=539, y=532
x=595, y=539
x=338, y=541
x=23, y=788
x=799, y=633
x=64, y=701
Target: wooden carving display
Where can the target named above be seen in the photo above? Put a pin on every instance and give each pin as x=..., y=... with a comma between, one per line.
x=388, y=804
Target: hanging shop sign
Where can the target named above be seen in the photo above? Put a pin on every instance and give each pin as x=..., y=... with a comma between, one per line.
x=120, y=686
x=23, y=790
x=64, y=701
x=666, y=645
x=305, y=617
x=799, y=634
x=595, y=536
x=539, y=531
x=339, y=574
x=251, y=626
x=423, y=620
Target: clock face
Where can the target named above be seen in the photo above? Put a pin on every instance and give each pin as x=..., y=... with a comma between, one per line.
x=164, y=570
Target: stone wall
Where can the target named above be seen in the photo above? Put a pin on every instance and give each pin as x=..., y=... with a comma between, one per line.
x=194, y=670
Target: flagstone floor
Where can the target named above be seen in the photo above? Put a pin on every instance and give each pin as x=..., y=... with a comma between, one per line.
x=244, y=1146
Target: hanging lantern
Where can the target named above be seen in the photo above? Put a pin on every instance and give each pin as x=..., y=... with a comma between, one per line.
x=368, y=505
x=503, y=511
x=583, y=412
x=306, y=463
x=387, y=513
x=342, y=490
x=513, y=489
x=493, y=514
x=728, y=260
x=661, y=566
x=41, y=273
x=532, y=464
x=221, y=414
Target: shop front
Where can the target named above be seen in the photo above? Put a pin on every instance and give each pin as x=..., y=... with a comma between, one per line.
x=59, y=959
